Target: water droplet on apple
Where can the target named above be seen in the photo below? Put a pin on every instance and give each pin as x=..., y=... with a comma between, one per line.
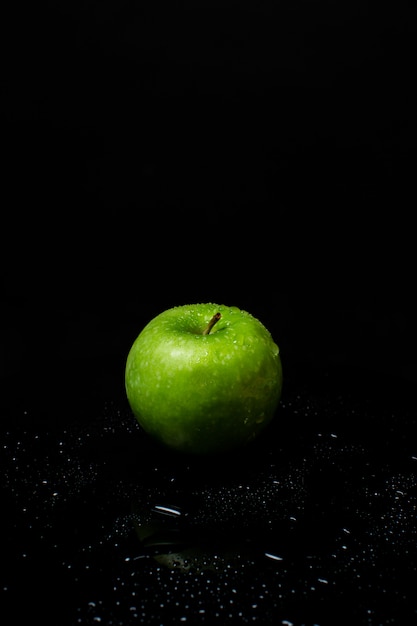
x=275, y=350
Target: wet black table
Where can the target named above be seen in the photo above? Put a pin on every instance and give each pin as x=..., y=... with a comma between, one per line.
x=313, y=524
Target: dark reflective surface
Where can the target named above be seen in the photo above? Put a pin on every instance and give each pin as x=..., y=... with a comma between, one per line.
x=315, y=523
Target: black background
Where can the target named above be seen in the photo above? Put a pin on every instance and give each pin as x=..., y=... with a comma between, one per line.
x=257, y=154
x=254, y=154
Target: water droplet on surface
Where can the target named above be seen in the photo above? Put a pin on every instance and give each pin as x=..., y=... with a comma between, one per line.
x=273, y=557
x=173, y=511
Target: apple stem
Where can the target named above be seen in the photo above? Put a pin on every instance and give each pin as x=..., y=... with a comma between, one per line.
x=211, y=323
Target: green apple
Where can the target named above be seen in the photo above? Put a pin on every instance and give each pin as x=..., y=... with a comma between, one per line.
x=204, y=378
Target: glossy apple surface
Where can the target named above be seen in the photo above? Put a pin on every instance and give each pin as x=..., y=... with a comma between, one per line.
x=204, y=378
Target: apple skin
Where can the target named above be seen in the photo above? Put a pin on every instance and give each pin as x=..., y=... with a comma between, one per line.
x=203, y=393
